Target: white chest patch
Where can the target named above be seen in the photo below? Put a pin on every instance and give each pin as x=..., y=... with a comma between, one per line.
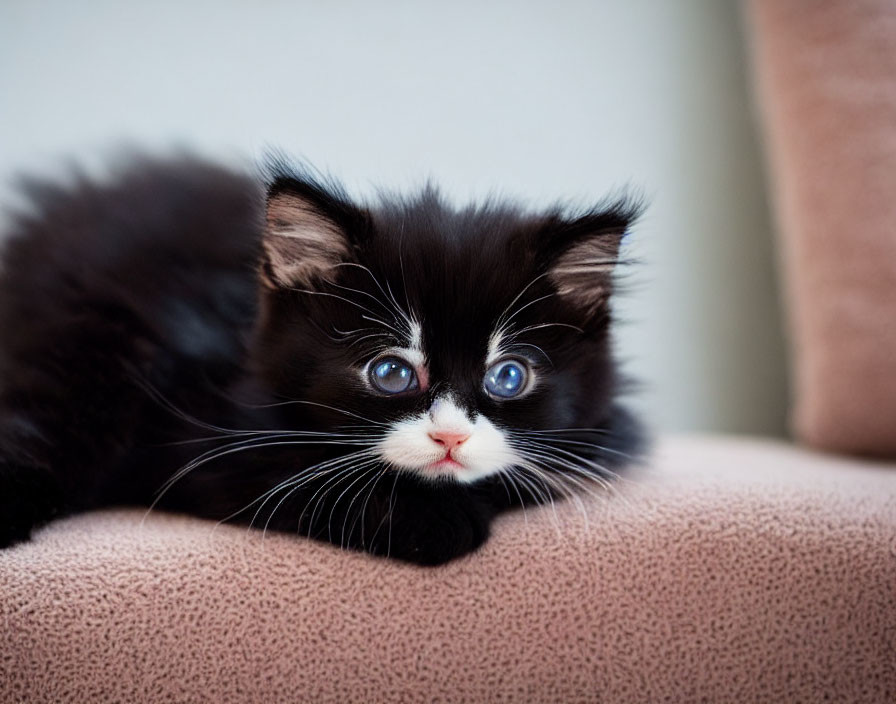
x=445, y=442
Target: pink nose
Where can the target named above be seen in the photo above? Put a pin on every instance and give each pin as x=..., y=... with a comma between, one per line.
x=448, y=439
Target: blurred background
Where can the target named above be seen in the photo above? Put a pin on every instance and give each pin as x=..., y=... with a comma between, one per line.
x=540, y=101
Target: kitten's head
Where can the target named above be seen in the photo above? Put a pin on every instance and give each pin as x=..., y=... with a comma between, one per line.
x=455, y=344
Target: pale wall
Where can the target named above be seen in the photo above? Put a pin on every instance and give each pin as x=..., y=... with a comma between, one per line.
x=539, y=100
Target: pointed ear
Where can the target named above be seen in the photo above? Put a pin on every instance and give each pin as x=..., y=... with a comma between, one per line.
x=308, y=230
x=583, y=252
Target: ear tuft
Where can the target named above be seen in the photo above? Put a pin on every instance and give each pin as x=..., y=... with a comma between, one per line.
x=583, y=274
x=301, y=243
x=584, y=252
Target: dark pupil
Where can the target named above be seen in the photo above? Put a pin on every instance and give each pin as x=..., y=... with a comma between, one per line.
x=392, y=376
x=507, y=380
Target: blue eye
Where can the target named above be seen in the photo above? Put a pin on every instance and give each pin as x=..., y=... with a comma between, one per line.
x=392, y=375
x=506, y=379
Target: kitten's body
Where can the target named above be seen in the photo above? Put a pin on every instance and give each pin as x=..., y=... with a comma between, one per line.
x=139, y=332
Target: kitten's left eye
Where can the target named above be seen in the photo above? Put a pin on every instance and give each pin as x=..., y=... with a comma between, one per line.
x=392, y=375
x=506, y=379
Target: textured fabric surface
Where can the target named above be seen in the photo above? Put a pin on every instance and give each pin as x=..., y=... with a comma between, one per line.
x=827, y=86
x=726, y=571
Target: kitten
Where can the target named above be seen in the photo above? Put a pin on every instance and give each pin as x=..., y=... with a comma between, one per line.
x=386, y=377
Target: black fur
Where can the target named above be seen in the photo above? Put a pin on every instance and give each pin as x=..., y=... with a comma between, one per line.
x=136, y=335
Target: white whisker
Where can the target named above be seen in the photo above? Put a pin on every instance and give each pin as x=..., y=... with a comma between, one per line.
x=337, y=468
x=560, y=483
x=371, y=483
x=338, y=410
x=329, y=484
x=605, y=472
x=522, y=308
x=333, y=295
x=544, y=496
x=384, y=324
x=364, y=507
x=298, y=480
x=404, y=315
x=602, y=448
x=546, y=325
x=339, y=498
x=510, y=477
x=565, y=465
x=500, y=320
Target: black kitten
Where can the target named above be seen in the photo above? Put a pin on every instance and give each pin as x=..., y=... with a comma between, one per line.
x=384, y=377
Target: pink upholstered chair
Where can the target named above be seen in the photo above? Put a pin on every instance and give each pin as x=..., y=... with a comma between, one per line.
x=726, y=570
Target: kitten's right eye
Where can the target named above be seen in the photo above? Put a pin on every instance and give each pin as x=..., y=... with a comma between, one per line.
x=506, y=379
x=392, y=375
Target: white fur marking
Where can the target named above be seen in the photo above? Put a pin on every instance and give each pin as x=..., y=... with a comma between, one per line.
x=408, y=444
x=416, y=341
x=495, y=351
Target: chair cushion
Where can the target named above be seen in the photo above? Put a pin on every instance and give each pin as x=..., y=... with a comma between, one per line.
x=726, y=570
x=827, y=86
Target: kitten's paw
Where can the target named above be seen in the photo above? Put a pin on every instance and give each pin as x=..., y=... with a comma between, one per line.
x=432, y=535
x=14, y=526
x=26, y=502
